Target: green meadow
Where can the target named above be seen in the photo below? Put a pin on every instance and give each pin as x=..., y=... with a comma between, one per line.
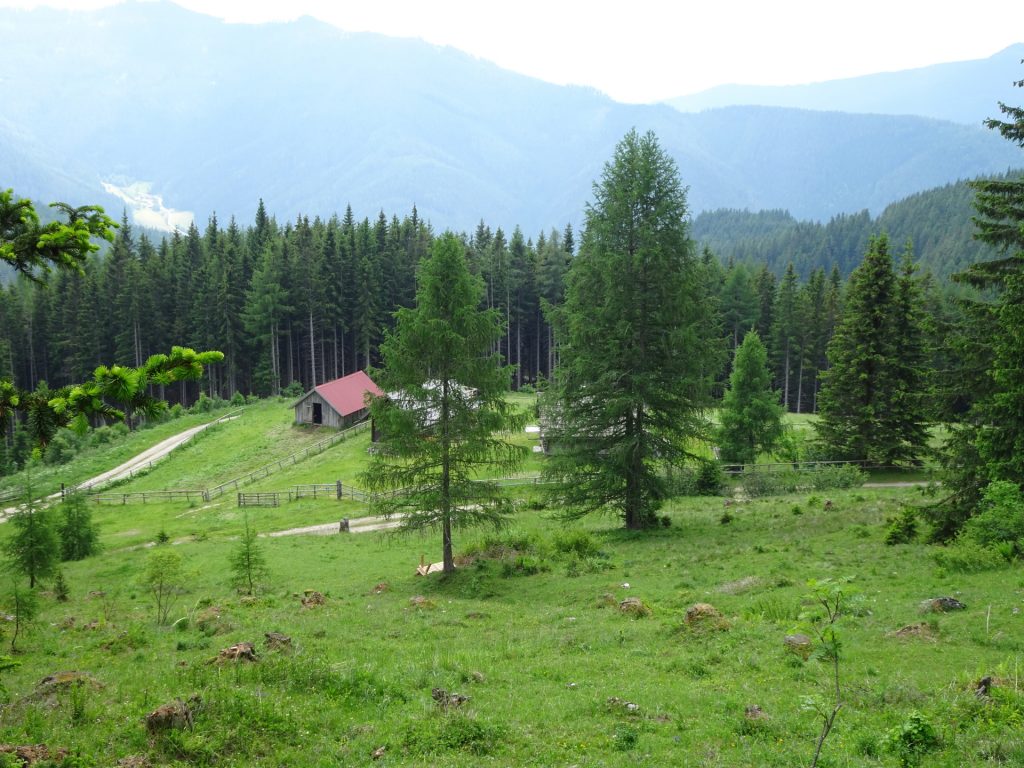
x=531, y=628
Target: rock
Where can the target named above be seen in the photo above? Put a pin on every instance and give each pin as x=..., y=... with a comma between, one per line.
x=942, y=605
x=476, y=677
x=922, y=631
x=133, y=761
x=447, y=700
x=799, y=644
x=982, y=687
x=236, y=652
x=31, y=754
x=634, y=606
x=68, y=622
x=276, y=641
x=754, y=712
x=628, y=706
x=419, y=601
x=176, y=716
x=54, y=685
x=378, y=753
x=312, y=598
x=210, y=621
x=828, y=505
x=606, y=600
x=705, y=616
x=740, y=586
x=381, y=588
x=96, y=594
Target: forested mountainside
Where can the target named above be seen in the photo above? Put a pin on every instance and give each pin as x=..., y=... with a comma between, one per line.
x=937, y=222
x=312, y=118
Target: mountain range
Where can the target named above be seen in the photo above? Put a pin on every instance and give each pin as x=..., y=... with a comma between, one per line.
x=156, y=103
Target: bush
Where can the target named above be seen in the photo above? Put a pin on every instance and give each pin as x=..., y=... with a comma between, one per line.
x=237, y=399
x=969, y=557
x=902, y=529
x=578, y=543
x=293, y=390
x=912, y=739
x=1000, y=516
x=759, y=483
x=78, y=536
x=710, y=479
x=61, y=448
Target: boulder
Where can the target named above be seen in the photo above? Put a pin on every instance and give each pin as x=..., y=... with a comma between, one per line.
x=236, y=652
x=701, y=616
x=634, y=607
x=276, y=641
x=942, y=605
x=799, y=644
x=175, y=716
x=311, y=598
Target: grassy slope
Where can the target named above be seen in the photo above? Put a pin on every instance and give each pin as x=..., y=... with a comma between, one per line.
x=548, y=658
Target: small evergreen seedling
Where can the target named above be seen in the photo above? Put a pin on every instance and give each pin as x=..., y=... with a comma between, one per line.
x=247, y=562
x=78, y=536
x=60, y=588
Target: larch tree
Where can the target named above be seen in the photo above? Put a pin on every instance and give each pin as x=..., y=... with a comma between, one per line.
x=442, y=419
x=632, y=385
x=750, y=419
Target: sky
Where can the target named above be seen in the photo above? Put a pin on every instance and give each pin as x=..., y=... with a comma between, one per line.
x=648, y=50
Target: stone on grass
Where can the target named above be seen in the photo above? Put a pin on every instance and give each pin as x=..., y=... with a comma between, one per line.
x=236, y=652
x=378, y=753
x=276, y=641
x=419, y=601
x=754, y=712
x=799, y=644
x=634, y=607
x=381, y=588
x=175, y=716
x=448, y=700
x=920, y=631
x=704, y=616
x=942, y=605
x=32, y=754
x=311, y=598
x=607, y=600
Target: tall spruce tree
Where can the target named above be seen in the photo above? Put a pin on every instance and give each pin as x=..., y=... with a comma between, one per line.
x=632, y=382
x=989, y=444
x=441, y=422
x=750, y=419
x=870, y=411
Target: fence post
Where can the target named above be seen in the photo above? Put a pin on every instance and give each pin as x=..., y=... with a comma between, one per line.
x=339, y=490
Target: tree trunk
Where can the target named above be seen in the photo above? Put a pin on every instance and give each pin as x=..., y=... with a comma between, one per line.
x=312, y=352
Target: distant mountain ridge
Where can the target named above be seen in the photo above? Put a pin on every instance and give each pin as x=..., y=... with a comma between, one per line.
x=962, y=92
x=214, y=116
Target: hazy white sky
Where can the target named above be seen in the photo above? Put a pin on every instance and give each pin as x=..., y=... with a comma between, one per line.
x=647, y=50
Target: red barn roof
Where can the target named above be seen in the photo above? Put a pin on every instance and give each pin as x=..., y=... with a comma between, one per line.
x=348, y=394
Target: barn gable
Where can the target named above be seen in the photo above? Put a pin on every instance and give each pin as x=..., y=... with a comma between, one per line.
x=338, y=403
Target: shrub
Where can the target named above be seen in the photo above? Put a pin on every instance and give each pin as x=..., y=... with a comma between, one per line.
x=293, y=390
x=912, y=739
x=578, y=543
x=710, y=479
x=1000, y=516
x=902, y=529
x=969, y=557
x=78, y=536
x=237, y=399
x=61, y=448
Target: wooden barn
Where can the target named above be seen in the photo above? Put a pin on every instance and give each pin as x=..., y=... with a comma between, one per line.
x=339, y=403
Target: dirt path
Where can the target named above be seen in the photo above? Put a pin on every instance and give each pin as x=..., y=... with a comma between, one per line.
x=147, y=457
x=900, y=484
x=358, y=525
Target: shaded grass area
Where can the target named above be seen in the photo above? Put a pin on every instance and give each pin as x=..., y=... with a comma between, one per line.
x=527, y=633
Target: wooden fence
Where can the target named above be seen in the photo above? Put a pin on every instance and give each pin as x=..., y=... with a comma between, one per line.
x=272, y=499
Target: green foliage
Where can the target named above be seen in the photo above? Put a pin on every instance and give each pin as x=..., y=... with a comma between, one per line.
x=757, y=483
x=293, y=390
x=903, y=528
x=455, y=732
x=248, y=564
x=23, y=606
x=34, y=548
x=911, y=740
x=163, y=580
x=442, y=421
x=33, y=249
x=965, y=556
x=79, y=538
x=751, y=416
x=871, y=402
x=61, y=591
x=1000, y=516
x=635, y=352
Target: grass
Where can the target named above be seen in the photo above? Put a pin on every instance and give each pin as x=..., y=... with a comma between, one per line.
x=525, y=631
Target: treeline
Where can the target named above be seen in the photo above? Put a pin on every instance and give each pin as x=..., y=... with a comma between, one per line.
x=937, y=221
x=309, y=301
x=297, y=304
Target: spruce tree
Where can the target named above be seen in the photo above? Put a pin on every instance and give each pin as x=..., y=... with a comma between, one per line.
x=870, y=409
x=632, y=382
x=33, y=548
x=750, y=419
x=440, y=424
